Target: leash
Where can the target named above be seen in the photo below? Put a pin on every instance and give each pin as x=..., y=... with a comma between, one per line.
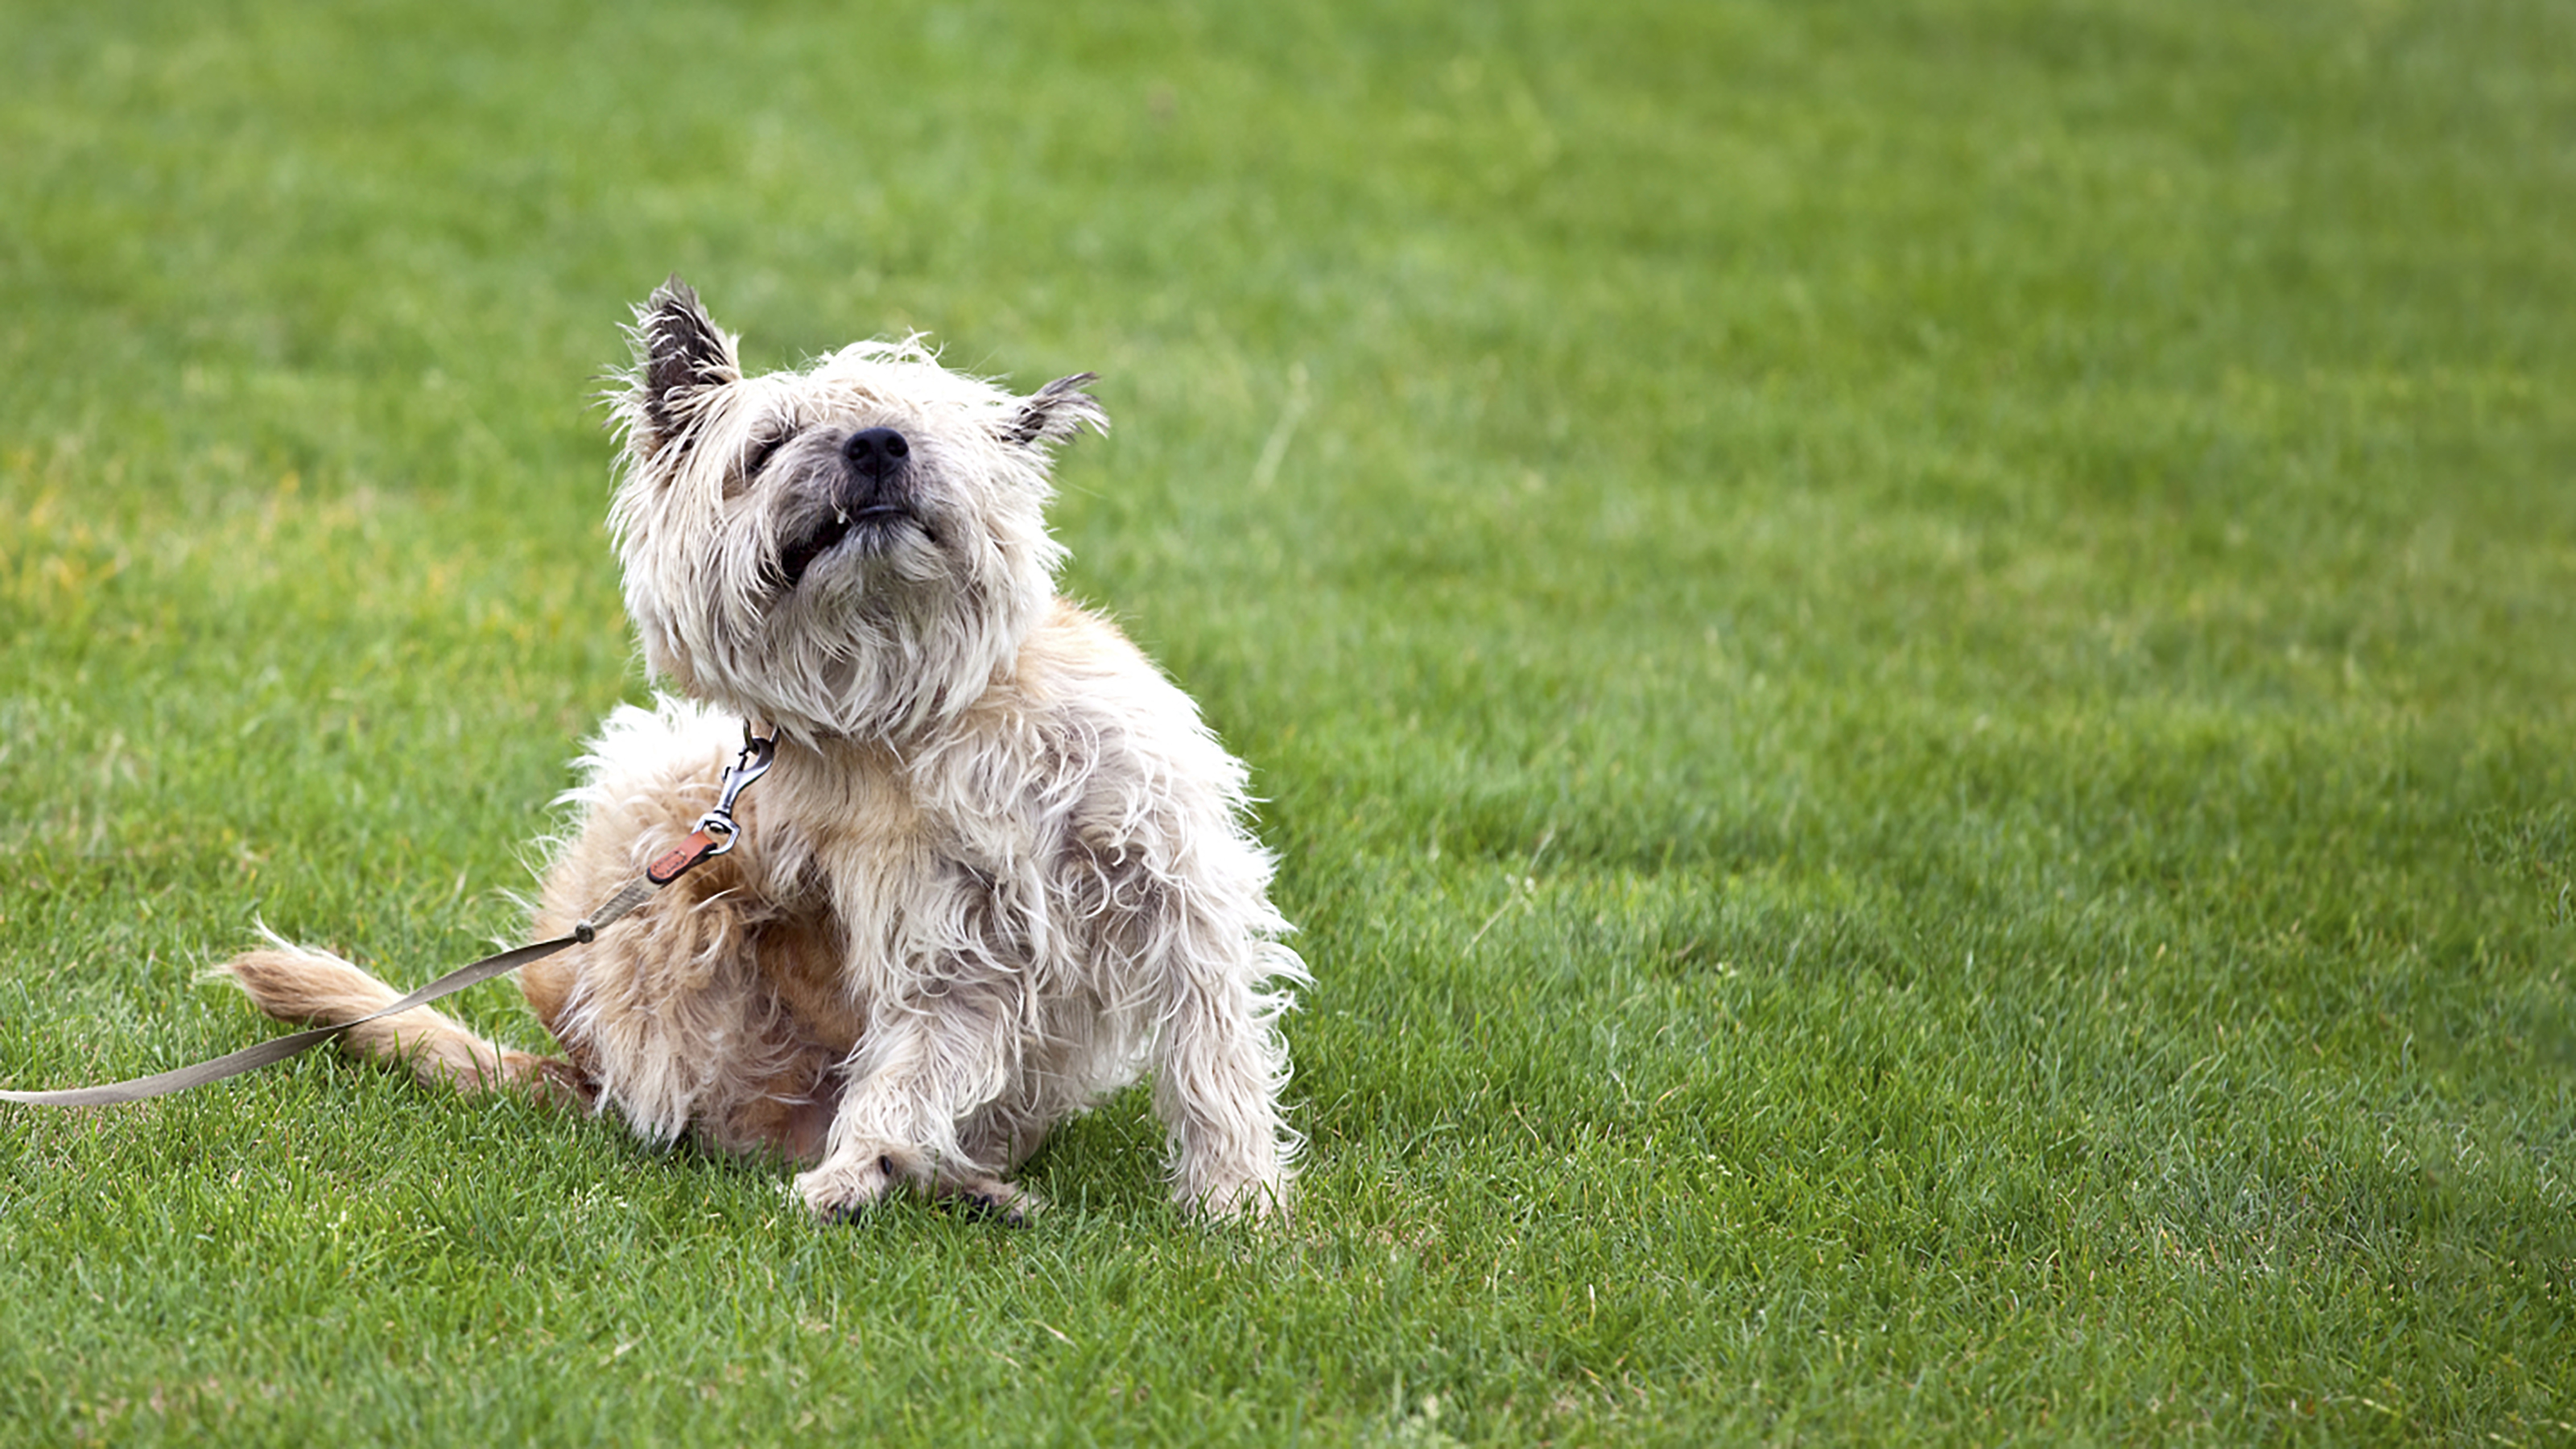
x=714, y=835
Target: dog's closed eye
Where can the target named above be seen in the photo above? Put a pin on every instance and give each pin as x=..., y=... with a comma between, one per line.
x=762, y=449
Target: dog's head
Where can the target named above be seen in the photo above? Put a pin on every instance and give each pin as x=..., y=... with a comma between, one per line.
x=858, y=548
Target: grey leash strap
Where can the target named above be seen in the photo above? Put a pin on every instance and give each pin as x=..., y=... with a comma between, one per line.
x=714, y=836
x=277, y=1049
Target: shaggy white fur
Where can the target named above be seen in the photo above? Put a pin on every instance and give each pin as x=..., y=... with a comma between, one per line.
x=999, y=868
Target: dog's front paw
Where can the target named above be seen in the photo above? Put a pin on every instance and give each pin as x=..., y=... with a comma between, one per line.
x=847, y=1185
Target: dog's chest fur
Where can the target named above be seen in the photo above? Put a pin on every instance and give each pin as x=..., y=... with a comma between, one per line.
x=1025, y=859
x=1013, y=847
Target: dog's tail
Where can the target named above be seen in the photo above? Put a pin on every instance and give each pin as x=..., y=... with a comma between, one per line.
x=296, y=984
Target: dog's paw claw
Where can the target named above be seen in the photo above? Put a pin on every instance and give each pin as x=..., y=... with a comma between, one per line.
x=985, y=1207
x=991, y=1200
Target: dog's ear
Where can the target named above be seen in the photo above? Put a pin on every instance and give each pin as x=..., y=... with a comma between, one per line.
x=1055, y=413
x=678, y=350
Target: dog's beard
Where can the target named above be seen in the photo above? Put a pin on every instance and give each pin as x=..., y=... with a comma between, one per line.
x=865, y=623
x=885, y=663
x=887, y=542
x=878, y=561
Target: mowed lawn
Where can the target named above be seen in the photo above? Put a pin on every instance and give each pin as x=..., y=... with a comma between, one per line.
x=1914, y=665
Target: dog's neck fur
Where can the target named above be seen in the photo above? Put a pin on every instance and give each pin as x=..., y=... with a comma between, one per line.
x=914, y=727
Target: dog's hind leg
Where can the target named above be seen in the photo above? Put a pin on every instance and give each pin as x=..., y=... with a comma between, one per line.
x=294, y=984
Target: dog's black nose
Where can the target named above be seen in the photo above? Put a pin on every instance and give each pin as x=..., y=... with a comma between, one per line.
x=876, y=451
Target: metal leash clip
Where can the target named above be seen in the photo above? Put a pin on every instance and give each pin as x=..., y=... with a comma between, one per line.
x=716, y=831
x=758, y=754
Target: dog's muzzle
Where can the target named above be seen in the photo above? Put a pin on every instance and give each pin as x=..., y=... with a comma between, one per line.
x=870, y=496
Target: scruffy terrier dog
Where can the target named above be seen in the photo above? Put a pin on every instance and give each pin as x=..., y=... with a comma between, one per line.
x=998, y=869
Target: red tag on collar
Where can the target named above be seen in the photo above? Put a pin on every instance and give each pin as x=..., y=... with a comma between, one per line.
x=677, y=861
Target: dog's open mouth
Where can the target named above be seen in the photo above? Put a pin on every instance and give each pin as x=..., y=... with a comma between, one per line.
x=868, y=523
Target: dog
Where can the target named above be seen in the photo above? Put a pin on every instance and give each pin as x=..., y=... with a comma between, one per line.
x=999, y=868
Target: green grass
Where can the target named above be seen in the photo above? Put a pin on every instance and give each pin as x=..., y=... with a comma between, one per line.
x=1912, y=662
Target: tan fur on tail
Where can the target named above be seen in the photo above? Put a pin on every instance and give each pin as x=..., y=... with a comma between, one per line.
x=294, y=984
